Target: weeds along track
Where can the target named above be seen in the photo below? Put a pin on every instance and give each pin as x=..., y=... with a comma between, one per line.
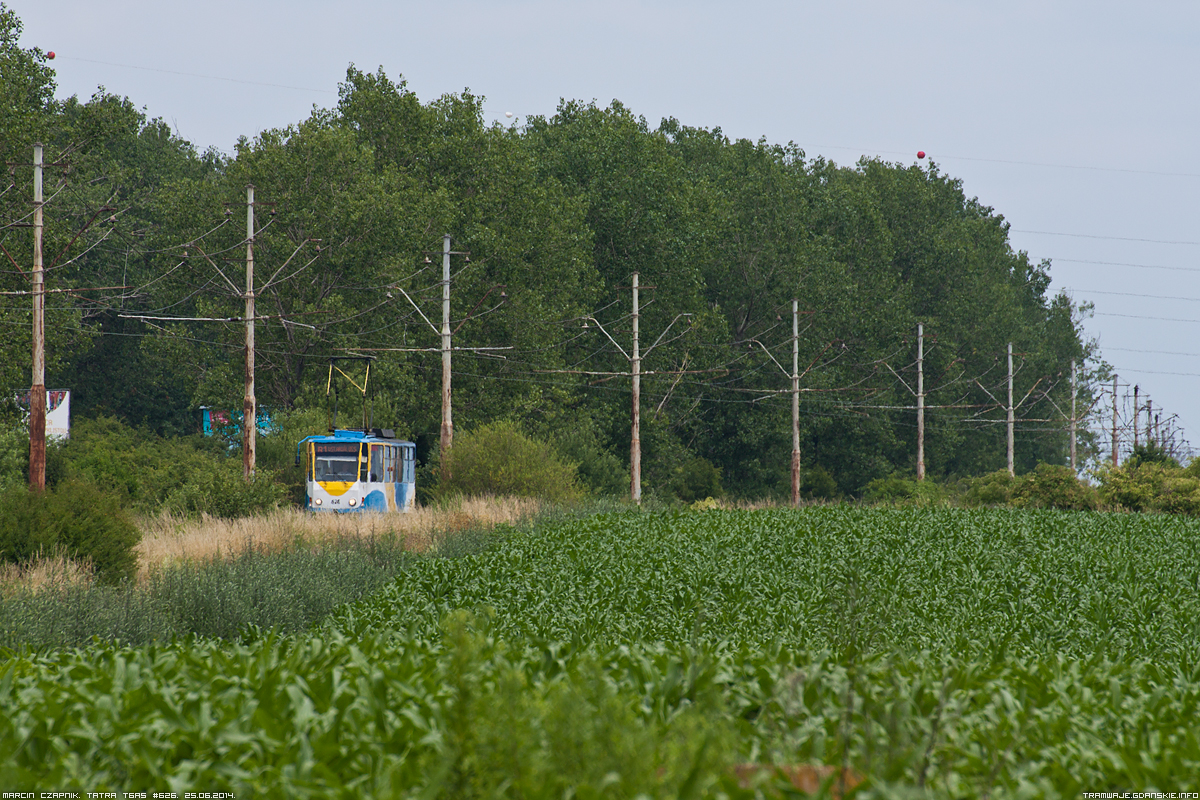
x=213, y=577
x=168, y=539
x=927, y=653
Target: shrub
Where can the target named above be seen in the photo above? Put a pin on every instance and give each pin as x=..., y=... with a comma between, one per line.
x=600, y=472
x=1151, y=453
x=1131, y=489
x=697, y=479
x=108, y=453
x=498, y=459
x=190, y=475
x=895, y=490
x=1053, y=486
x=1192, y=470
x=993, y=489
x=1153, y=486
x=1180, y=493
x=14, y=458
x=817, y=484
x=76, y=519
x=221, y=490
x=24, y=534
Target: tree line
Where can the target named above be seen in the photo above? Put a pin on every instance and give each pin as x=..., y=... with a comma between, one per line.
x=558, y=212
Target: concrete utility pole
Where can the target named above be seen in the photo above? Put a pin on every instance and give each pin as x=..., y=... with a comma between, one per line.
x=1137, y=416
x=446, y=346
x=1011, y=470
x=635, y=357
x=635, y=441
x=446, y=440
x=37, y=392
x=1149, y=423
x=249, y=402
x=795, y=402
x=921, y=401
x=1115, y=460
x=1074, y=396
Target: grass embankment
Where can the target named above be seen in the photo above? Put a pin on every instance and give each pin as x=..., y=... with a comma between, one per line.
x=935, y=653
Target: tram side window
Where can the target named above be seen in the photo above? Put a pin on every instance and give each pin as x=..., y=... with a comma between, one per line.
x=409, y=465
x=376, y=463
x=389, y=464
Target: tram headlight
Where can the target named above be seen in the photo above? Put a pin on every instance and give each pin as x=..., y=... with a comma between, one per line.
x=317, y=501
x=353, y=502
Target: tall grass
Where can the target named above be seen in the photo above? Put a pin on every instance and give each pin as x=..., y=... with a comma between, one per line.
x=228, y=597
x=44, y=573
x=234, y=578
x=171, y=539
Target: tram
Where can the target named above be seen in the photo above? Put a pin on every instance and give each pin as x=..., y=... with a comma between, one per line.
x=358, y=470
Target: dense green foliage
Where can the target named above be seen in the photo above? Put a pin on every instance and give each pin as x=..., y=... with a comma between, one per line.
x=1047, y=486
x=939, y=653
x=73, y=519
x=1051, y=486
x=903, y=490
x=557, y=213
x=1153, y=486
x=186, y=475
x=498, y=459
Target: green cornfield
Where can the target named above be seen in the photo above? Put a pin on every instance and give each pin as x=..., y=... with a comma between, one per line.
x=933, y=653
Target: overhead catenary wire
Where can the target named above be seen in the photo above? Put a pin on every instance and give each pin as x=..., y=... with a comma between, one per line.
x=1109, y=238
x=1126, y=264
x=1135, y=294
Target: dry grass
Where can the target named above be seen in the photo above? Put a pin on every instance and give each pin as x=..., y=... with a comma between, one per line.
x=44, y=573
x=169, y=539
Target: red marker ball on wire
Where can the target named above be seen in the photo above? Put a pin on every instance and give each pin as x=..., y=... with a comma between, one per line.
x=920, y=154
x=50, y=55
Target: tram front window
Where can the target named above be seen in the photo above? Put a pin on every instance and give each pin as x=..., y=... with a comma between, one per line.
x=335, y=462
x=337, y=469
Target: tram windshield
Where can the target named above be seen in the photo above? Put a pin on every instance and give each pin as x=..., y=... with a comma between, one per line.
x=336, y=469
x=335, y=462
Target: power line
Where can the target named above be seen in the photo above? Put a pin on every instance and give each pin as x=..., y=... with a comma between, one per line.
x=1154, y=352
x=1125, y=264
x=1098, y=236
x=1138, y=316
x=1156, y=372
x=1132, y=294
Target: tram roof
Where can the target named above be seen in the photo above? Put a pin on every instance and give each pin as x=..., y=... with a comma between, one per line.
x=375, y=435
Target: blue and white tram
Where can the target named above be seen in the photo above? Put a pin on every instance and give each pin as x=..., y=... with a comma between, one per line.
x=358, y=471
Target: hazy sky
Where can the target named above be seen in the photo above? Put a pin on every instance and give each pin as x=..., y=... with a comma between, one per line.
x=1077, y=121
